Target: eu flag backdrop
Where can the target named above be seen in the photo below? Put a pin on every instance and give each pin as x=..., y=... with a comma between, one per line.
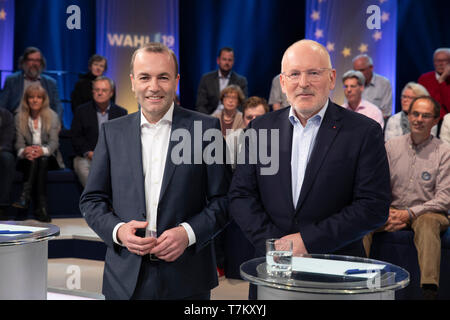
x=348, y=28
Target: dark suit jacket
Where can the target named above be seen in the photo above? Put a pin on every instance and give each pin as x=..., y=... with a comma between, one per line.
x=13, y=90
x=84, y=130
x=208, y=94
x=345, y=193
x=196, y=194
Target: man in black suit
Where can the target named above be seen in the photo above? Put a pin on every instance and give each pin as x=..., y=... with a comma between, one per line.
x=332, y=186
x=87, y=121
x=212, y=83
x=157, y=216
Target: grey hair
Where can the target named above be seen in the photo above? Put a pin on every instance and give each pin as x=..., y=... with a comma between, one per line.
x=104, y=78
x=356, y=75
x=366, y=57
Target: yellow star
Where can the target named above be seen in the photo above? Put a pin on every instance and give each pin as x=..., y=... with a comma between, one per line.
x=2, y=14
x=363, y=48
x=346, y=52
x=315, y=15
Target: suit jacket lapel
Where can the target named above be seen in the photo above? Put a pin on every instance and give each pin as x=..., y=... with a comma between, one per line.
x=135, y=154
x=325, y=137
x=179, y=120
x=285, y=176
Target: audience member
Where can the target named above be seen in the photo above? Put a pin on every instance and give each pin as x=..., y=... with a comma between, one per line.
x=31, y=65
x=82, y=93
x=353, y=90
x=377, y=88
x=253, y=107
x=277, y=98
x=420, y=181
x=230, y=117
x=87, y=121
x=398, y=124
x=37, y=129
x=445, y=129
x=212, y=83
x=437, y=82
x=7, y=161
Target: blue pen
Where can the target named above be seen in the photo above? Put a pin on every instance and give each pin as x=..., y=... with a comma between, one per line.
x=361, y=271
x=14, y=232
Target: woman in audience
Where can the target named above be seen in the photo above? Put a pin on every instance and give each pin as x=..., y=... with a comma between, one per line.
x=445, y=129
x=37, y=129
x=398, y=124
x=230, y=117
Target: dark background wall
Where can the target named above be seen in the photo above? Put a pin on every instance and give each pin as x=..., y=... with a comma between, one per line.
x=258, y=30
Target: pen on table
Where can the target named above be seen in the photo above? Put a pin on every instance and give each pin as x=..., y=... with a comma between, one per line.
x=361, y=271
x=14, y=232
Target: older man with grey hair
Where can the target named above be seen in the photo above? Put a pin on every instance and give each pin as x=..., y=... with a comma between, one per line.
x=353, y=90
x=378, y=89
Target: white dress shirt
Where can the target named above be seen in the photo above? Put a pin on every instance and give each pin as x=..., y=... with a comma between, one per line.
x=155, y=140
x=303, y=140
x=36, y=137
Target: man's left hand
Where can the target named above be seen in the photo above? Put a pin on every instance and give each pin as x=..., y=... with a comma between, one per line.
x=298, y=247
x=398, y=219
x=171, y=244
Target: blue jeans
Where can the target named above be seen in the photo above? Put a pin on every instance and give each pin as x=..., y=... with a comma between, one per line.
x=7, y=173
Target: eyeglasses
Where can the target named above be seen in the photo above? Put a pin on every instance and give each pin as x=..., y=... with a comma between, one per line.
x=96, y=90
x=33, y=60
x=407, y=97
x=312, y=75
x=230, y=97
x=425, y=116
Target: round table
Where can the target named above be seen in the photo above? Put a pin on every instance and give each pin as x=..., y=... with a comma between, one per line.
x=320, y=277
x=24, y=260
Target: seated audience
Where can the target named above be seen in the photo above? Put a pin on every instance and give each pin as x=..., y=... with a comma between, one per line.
x=445, y=129
x=437, y=81
x=87, y=121
x=82, y=93
x=212, y=83
x=353, y=90
x=398, y=124
x=7, y=161
x=31, y=65
x=230, y=117
x=253, y=107
x=420, y=182
x=37, y=129
x=277, y=98
x=377, y=89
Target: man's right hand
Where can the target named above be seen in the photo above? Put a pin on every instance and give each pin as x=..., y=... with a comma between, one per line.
x=126, y=234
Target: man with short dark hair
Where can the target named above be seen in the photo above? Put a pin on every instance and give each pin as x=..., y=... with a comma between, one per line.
x=377, y=88
x=353, y=90
x=31, y=65
x=212, y=83
x=420, y=180
x=87, y=121
x=82, y=92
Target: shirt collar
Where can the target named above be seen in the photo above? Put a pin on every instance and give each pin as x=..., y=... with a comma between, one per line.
x=167, y=118
x=420, y=146
x=100, y=111
x=223, y=77
x=316, y=119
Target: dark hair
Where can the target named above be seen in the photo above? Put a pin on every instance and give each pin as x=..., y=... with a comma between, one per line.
x=227, y=49
x=436, y=105
x=253, y=102
x=97, y=58
x=26, y=53
x=155, y=47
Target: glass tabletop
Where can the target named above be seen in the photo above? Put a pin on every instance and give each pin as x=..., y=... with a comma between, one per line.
x=322, y=273
x=33, y=232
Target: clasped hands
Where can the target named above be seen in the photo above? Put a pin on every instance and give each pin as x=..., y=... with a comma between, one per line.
x=32, y=152
x=168, y=246
x=398, y=220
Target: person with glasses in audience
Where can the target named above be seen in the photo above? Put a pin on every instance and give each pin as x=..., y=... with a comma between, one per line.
x=377, y=88
x=398, y=124
x=332, y=182
x=230, y=117
x=87, y=121
x=420, y=180
x=31, y=65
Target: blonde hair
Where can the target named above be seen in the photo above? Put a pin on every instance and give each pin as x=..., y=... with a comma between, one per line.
x=418, y=89
x=25, y=111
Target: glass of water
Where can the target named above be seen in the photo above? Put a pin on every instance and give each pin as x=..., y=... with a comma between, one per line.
x=279, y=257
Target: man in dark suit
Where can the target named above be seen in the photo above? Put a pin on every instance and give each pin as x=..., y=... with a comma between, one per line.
x=332, y=186
x=88, y=119
x=212, y=83
x=31, y=63
x=156, y=218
